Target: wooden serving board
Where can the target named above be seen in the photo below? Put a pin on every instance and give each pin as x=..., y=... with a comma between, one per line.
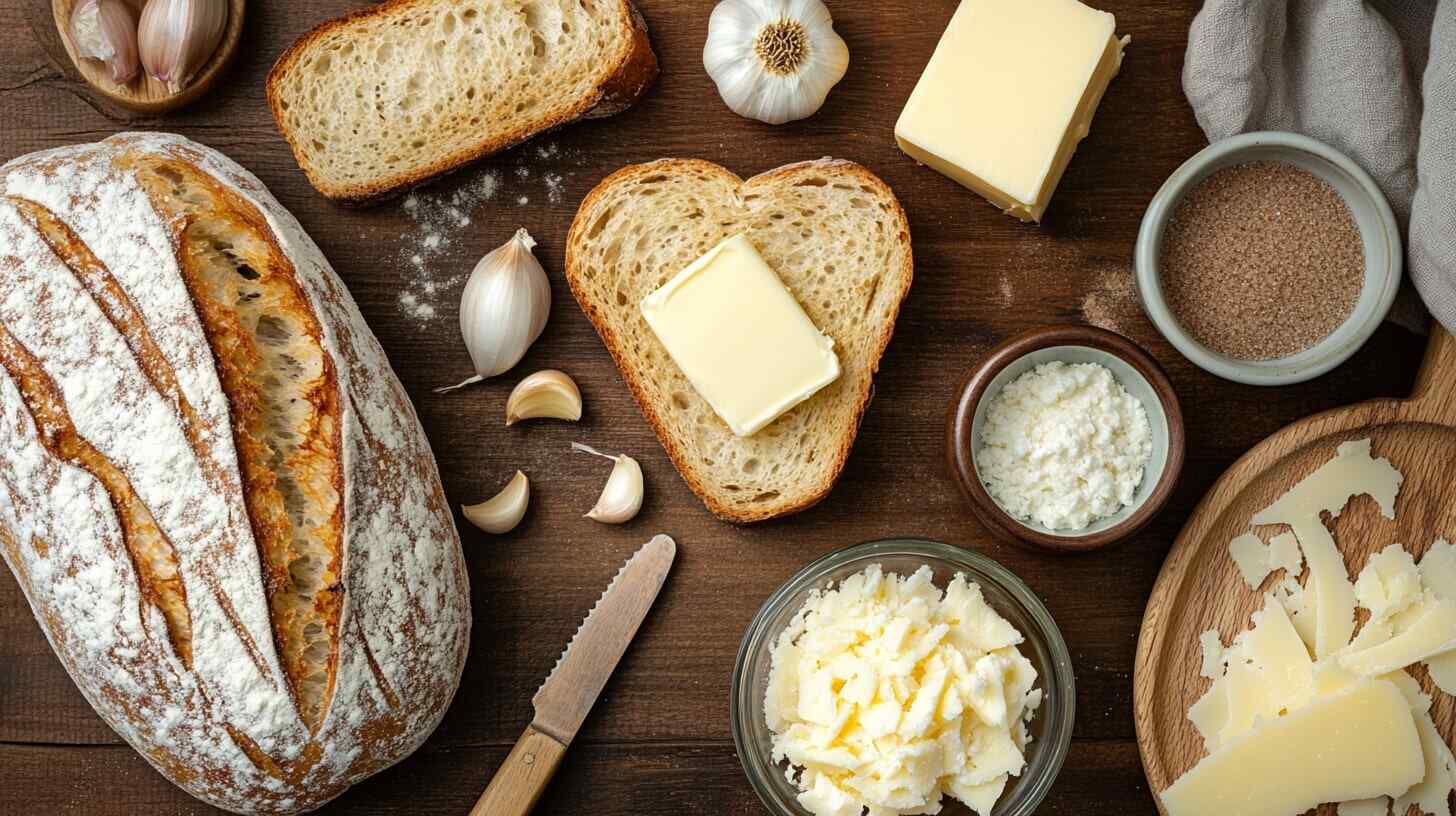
x=144, y=93
x=1199, y=587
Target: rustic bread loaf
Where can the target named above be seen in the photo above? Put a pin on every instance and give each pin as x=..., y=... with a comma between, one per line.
x=390, y=96
x=213, y=490
x=836, y=236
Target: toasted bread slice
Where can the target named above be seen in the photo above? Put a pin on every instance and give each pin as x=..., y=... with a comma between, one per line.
x=836, y=236
x=387, y=97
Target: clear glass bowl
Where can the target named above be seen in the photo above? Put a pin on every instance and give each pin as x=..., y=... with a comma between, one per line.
x=1051, y=729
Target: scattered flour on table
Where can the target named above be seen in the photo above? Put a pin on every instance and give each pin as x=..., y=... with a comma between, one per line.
x=1064, y=445
x=431, y=272
x=438, y=220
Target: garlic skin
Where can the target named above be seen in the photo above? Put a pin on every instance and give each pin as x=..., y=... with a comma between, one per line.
x=621, y=497
x=774, y=60
x=501, y=513
x=503, y=309
x=178, y=37
x=548, y=394
x=106, y=30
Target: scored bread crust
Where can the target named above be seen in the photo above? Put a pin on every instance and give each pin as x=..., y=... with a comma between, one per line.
x=623, y=77
x=895, y=281
x=132, y=510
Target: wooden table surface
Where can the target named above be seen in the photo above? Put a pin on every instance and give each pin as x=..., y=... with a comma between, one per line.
x=658, y=741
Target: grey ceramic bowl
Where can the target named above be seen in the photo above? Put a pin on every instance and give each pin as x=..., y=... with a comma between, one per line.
x=1384, y=258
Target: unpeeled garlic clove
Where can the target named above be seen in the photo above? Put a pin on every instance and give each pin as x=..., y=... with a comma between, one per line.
x=106, y=30
x=502, y=512
x=622, y=495
x=548, y=394
x=503, y=309
x=178, y=37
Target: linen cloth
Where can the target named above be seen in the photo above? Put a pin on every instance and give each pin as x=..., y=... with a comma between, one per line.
x=1375, y=79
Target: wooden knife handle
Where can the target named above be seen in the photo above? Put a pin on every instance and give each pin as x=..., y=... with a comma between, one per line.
x=522, y=777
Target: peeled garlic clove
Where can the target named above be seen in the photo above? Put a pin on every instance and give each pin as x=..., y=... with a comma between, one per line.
x=622, y=496
x=548, y=394
x=503, y=309
x=106, y=30
x=178, y=37
x=774, y=61
x=504, y=511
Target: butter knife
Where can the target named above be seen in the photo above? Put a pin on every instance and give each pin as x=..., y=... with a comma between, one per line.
x=564, y=699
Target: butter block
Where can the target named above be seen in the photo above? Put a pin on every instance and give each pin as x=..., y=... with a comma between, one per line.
x=740, y=337
x=1008, y=94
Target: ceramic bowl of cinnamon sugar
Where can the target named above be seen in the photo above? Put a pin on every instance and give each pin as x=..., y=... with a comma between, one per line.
x=1268, y=258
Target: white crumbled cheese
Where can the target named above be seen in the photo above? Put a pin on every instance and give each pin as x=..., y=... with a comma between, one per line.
x=886, y=694
x=1064, y=445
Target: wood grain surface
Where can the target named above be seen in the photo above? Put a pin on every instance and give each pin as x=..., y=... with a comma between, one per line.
x=1200, y=587
x=658, y=742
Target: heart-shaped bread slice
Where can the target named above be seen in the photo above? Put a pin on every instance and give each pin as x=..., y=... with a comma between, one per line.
x=836, y=236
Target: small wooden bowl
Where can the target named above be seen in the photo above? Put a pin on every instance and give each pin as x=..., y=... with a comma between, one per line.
x=144, y=93
x=1132, y=367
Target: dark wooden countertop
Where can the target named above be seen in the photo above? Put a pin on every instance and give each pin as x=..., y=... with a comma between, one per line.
x=658, y=741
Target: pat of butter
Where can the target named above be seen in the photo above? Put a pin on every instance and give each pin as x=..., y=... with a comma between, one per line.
x=740, y=337
x=1008, y=94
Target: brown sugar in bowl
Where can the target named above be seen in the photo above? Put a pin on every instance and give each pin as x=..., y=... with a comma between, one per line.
x=1133, y=368
x=1379, y=241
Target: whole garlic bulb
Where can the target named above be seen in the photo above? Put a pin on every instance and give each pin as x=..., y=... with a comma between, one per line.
x=106, y=30
x=503, y=308
x=774, y=60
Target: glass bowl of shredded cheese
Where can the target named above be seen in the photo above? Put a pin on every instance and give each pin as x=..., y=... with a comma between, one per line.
x=898, y=675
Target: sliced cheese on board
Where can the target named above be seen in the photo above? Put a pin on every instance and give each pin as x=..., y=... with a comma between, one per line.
x=1334, y=596
x=1352, y=472
x=1298, y=604
x=1432, y=794
x=1438, y=575
x=1213, y=654
x=1389, y=584
x=1210, y=715
x=1365, y=807
x=1284, y=554
x=1438, y=569
x=1257, y=560
x=1251, y=556
x=1356, y=744
x=1443, y=671
x=1265, y=673
x=1432, y=632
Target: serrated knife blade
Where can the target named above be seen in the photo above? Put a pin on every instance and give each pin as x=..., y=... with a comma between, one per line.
x=572, y=687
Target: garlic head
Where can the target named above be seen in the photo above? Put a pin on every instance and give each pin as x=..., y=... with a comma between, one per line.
x=503, y=309
x=178, y=37
x=502, y=512
x=774, y=60
x=548, y=394
x=106, y=30
x=621, y=497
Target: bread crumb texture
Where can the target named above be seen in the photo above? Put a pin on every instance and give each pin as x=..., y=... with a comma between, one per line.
x=410, y=89
x=199, y=435
x=837, y=238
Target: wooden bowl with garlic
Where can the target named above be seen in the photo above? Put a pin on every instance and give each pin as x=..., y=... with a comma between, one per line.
x=150, y=56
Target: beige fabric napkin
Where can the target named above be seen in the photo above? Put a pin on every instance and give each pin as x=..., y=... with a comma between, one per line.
x=1376, y=80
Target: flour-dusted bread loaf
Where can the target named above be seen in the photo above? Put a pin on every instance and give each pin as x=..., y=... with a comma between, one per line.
x=392, y=95
x=213, y=490
x=836, y=236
